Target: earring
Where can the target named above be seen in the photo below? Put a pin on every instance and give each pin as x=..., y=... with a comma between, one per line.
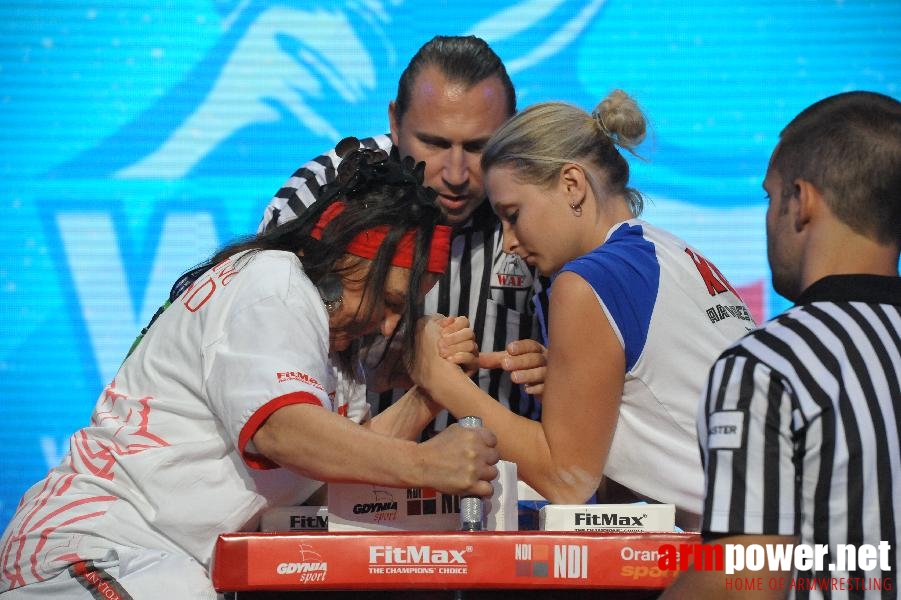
x=577, y=209
x=330, y=290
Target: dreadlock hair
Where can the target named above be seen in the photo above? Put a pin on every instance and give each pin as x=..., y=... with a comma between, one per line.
x=378, y=191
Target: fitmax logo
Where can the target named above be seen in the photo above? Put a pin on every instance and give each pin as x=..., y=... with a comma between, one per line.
x=302, y=522
x=416, y=555
x=609, y=519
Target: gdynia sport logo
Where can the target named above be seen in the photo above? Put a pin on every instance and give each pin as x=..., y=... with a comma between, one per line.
x=807, y=561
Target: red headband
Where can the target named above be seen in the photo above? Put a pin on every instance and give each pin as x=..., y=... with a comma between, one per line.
x=367, y=243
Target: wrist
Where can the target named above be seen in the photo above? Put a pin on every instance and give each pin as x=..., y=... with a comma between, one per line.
x=427, y=407
x=418, y=468
x=432, y=385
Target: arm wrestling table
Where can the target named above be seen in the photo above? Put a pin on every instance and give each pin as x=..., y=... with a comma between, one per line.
x=256, y=565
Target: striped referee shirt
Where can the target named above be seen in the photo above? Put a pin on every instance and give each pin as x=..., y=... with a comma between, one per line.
x=492, y=288
x=800, y=432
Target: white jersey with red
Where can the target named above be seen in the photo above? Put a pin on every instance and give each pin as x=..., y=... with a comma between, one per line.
x=168, y=461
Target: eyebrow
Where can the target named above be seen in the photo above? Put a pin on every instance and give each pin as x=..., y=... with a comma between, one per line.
x=433, y=139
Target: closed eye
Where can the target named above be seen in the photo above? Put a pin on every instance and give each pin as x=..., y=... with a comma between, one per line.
x=435, y=142
x=475, y=147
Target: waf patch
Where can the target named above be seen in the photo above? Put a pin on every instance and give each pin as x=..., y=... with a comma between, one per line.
x=511, y=272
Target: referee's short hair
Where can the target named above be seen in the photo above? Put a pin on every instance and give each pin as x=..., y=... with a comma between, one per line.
x=463, y=59
x=849, y=147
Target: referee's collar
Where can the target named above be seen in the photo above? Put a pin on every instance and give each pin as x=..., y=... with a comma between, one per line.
x=874, y=289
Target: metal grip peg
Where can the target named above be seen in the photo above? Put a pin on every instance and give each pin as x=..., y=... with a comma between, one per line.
x=470, y=506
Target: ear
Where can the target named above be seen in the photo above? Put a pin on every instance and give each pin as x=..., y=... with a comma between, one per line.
x=810, y=203
x=392, y=121
x=574, y=183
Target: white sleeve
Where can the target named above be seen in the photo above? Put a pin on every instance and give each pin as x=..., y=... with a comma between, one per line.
x=272, y=353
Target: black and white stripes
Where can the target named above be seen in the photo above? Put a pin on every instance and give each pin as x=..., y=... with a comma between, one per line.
x=814, y=397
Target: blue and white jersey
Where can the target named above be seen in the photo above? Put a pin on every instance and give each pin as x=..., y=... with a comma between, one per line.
x=674, y=313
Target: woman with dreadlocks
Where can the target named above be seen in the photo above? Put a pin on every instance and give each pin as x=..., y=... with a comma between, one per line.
x=243, y=394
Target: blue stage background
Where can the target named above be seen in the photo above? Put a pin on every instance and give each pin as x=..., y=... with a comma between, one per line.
x=136, y=137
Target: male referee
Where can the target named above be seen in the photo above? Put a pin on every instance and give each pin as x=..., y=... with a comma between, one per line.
x=800, y=428
x=453, y=94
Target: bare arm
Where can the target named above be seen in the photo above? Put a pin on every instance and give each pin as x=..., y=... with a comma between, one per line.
x=563, y=456
x=407, y=417
x=326, y=446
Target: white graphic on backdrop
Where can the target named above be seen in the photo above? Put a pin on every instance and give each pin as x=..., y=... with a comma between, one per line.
x=53, y=452
x=513, y=21
x=94, y=259
x=259, y=74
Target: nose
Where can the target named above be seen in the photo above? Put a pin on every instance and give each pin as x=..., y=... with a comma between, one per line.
x=389, y=323
x=456, y=167
x=510, y=242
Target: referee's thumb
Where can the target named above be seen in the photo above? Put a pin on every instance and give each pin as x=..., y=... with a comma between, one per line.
x=491, y=360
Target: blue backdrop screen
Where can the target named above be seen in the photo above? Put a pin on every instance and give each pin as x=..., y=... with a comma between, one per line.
x=137, y=137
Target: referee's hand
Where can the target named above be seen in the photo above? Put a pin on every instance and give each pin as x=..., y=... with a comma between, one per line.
x=525, y=360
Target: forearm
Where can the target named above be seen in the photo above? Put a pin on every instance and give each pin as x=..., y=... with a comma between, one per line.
x=406, y=418
x=328, y=447
x=555, y=476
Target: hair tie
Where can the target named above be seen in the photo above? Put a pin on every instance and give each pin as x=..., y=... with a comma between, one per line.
x=599, y=121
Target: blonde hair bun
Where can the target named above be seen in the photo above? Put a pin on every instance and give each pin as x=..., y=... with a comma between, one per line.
x=620, y=118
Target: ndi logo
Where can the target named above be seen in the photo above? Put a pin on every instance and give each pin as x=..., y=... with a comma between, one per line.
x=427, y=501
x=570, y=561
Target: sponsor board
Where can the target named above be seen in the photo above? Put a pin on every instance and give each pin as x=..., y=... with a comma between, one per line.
x=446, y=560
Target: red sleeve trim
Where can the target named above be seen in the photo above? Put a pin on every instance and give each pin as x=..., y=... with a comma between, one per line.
x=256, y=420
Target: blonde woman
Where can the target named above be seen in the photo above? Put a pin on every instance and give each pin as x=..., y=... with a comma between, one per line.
x=636, y=316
